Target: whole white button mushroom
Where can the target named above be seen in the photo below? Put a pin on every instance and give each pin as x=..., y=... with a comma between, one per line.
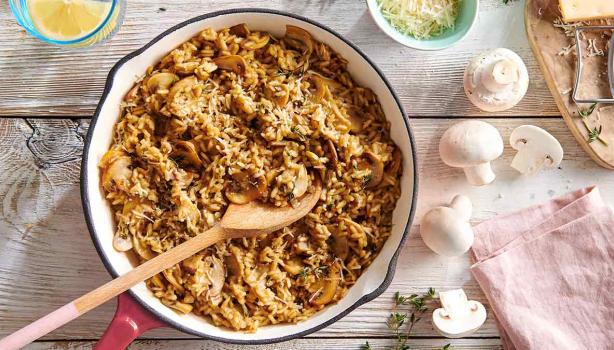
x=472, y=145
x=536, y=149
x=458, y=317
x=496, y=80
x=446, y=230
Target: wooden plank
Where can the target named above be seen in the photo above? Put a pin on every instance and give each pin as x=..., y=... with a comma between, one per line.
x=43, y=80
x=47, y=258
x=299, y=344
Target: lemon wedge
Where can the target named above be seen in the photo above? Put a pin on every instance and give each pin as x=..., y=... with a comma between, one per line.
x=67, y=19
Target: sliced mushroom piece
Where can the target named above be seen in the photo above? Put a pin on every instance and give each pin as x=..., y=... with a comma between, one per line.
x=244, y=189
x=299, y=38
x=239, y=30
x=356, y=119
x=302, y=182
x=131, y=95
x=181, y=86
x=395, y=164
x=142, y=250
x=122, y=241
x=341, y=246
x=115, y=166
x=191, y=264
x=171, y=276
x=235, y=267
x=162, y=80
x=376, y=166
x=186, y=152
x=327, y=287
x=217, y=275
x=233, y=63
x=334, y=158
x=322, y=84
x=294, y=265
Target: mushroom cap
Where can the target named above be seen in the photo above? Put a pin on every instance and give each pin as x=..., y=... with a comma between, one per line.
x=537, y=141
x=446, y=232
x=470, y=143
x=496, y=80
x=459, y=317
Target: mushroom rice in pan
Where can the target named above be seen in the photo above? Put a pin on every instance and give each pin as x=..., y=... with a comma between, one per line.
x=233, y=116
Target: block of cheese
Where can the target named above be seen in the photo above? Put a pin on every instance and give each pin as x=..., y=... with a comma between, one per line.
x=582, y=10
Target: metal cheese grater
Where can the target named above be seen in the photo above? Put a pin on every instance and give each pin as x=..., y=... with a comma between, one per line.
x=580, y=65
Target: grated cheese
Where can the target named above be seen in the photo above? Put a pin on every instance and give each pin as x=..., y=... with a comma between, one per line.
x=422, y=19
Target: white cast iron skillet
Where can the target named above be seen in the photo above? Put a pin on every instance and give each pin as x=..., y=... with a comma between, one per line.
x=100, y=219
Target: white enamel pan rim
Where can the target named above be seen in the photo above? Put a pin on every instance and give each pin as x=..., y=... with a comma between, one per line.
x=99, y=218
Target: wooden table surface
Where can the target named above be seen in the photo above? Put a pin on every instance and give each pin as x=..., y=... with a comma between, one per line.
x=47, y=96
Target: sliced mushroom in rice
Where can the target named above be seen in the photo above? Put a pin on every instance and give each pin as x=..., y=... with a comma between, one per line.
x=122, y=241
x=245, y=188
x=279, y=93
x=326, y=288
x=185, y=153
x=340, y=245
x=173, y=276
x=299, y=38
x=395, y=164
x=233, y=63
x=141, y=249
x=161, y=81
x=356, y=119
x=115, y=167
x=334, y=158
x=256, y=41
x=240, y=30
x=301, y=184
x=375, y=166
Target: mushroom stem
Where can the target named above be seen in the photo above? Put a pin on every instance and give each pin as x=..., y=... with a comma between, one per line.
x=480, y=174
x=500, y=74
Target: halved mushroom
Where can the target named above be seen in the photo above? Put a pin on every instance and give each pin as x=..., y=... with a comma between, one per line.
x=172, y=275
x=186, y=153
x=122, y=241
x=334, y=158
x=327, y=287
x=294, y=265
x=115, y=167
x=244, y=189
x=239, y=30
x=162, y=80
x=233, y=63
x=299, y=38
x=340, y=245
x=375, y=165
x=302, y=182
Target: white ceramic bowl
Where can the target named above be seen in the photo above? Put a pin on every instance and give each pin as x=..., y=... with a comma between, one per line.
x=100, y=219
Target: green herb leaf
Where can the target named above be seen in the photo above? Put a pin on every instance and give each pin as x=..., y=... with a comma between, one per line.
x=584, y=113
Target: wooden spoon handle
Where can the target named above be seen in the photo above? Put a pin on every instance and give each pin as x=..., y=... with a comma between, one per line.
x=111, y=289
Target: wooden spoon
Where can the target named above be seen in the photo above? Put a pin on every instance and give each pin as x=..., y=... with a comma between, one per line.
x=239, y=221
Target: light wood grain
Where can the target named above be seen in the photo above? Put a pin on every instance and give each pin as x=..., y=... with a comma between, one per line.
x=43, y=80
x=47, y=258
x=300, y=344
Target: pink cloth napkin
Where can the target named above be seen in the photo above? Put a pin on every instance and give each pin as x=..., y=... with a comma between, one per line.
x=548, y=273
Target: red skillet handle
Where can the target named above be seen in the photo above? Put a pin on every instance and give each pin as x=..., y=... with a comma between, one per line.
x=130, y=321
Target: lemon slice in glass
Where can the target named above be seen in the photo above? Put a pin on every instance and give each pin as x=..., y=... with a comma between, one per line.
x=67, y=19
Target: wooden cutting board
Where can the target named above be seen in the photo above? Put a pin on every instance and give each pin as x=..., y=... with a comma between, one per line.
x=555, y=53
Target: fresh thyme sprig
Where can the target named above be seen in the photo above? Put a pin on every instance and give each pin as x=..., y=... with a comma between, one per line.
x=402, y=322
x=594, y=133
